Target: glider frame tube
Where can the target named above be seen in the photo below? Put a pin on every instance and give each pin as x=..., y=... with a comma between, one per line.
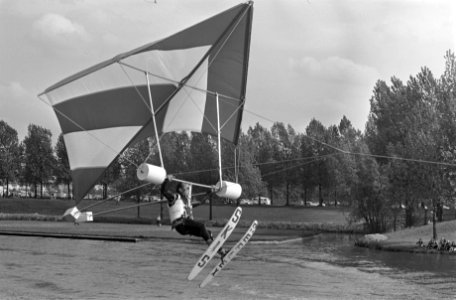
x=194, y=183
x=152, y=111
x=218, y=137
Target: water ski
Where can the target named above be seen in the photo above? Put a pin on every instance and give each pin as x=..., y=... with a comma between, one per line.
x=231, y=254
x=216, y=244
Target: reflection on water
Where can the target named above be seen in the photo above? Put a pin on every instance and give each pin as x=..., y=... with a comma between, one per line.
x=326, y=266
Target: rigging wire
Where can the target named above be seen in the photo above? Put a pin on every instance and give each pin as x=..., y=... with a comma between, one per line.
x=158, y=202
x=127, y=207
x=313, y=158
x=361, y=153
x=118, y=195
x=296, y=166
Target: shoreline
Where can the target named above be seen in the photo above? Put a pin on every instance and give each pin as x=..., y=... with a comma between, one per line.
x=218, y=222
x=393, y=247
x=276, y=224
x=303, y=220
x=406, y=240
x=129, y=232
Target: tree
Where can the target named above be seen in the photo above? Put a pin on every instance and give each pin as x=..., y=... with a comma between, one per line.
x=403, y=123
x=445, y=132
x=346, y=167
x=283, y=152
x=369, y=192
x=308, y=182
x=294, y=169
x=388, y=110
x=446, y=109
x=261, y=145
x=320, y=172
x=332, y=162
x=417, y=122
x=176, y=152
x=39, y=158
x=128, y=161
x=62, y=170
x=203, y=159
x=10, y=154
x=249, y=174
x=110, y=176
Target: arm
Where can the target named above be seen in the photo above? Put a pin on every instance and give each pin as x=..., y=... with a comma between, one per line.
x=165, y=191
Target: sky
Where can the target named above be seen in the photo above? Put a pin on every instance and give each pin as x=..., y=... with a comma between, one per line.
x=308, y=59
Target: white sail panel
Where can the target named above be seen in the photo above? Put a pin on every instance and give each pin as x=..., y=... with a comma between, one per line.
x=161, y=63
x=167, y=64
x=186, y=109
x=97, y=148
x=108, y=78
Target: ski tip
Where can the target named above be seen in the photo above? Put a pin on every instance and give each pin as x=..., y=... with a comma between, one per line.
x=205, y=282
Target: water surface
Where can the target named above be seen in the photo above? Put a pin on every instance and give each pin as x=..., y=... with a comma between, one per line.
x=325, y=266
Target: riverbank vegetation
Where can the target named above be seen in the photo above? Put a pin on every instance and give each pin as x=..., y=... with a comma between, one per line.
x=398, y=173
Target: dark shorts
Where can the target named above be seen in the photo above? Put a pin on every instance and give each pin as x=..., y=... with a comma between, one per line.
x=192, y=227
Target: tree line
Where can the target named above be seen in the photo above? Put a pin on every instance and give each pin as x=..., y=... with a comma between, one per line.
x=404, y=160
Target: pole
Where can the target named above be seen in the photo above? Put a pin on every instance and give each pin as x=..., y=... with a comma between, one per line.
x=138, y=208
x=210, y=207
x=236, y=167
x=152, y=111
x=161, y=211
x=218, y=136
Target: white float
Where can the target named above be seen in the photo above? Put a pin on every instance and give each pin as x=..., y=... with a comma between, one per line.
x=71, y=214
x=74, y=215
x=151, y=173
x=229, y=190
x=86, y=216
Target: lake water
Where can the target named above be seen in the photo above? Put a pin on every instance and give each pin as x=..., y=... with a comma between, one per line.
x=325, y=266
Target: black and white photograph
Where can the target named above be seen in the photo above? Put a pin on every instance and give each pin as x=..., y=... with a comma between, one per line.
x=226, y=149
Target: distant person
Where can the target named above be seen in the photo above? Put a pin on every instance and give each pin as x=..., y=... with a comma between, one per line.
x=179, y=209
x=420, y=243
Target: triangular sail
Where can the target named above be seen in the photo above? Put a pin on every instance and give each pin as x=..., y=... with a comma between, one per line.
x=105, y=108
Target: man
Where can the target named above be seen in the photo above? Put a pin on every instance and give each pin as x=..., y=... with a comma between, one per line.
x=179, y=209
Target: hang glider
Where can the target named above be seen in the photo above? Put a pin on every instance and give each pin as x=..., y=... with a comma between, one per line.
x=173, y=84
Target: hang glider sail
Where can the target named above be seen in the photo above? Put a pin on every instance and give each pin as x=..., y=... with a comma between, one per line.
x=173, y=83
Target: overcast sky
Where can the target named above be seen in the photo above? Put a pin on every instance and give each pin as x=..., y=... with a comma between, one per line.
x=309, y=59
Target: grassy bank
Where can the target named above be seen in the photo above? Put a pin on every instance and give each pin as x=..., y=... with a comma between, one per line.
x=321, y=219
x=406, y=240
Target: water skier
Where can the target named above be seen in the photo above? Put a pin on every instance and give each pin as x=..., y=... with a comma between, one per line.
x=180, y=212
